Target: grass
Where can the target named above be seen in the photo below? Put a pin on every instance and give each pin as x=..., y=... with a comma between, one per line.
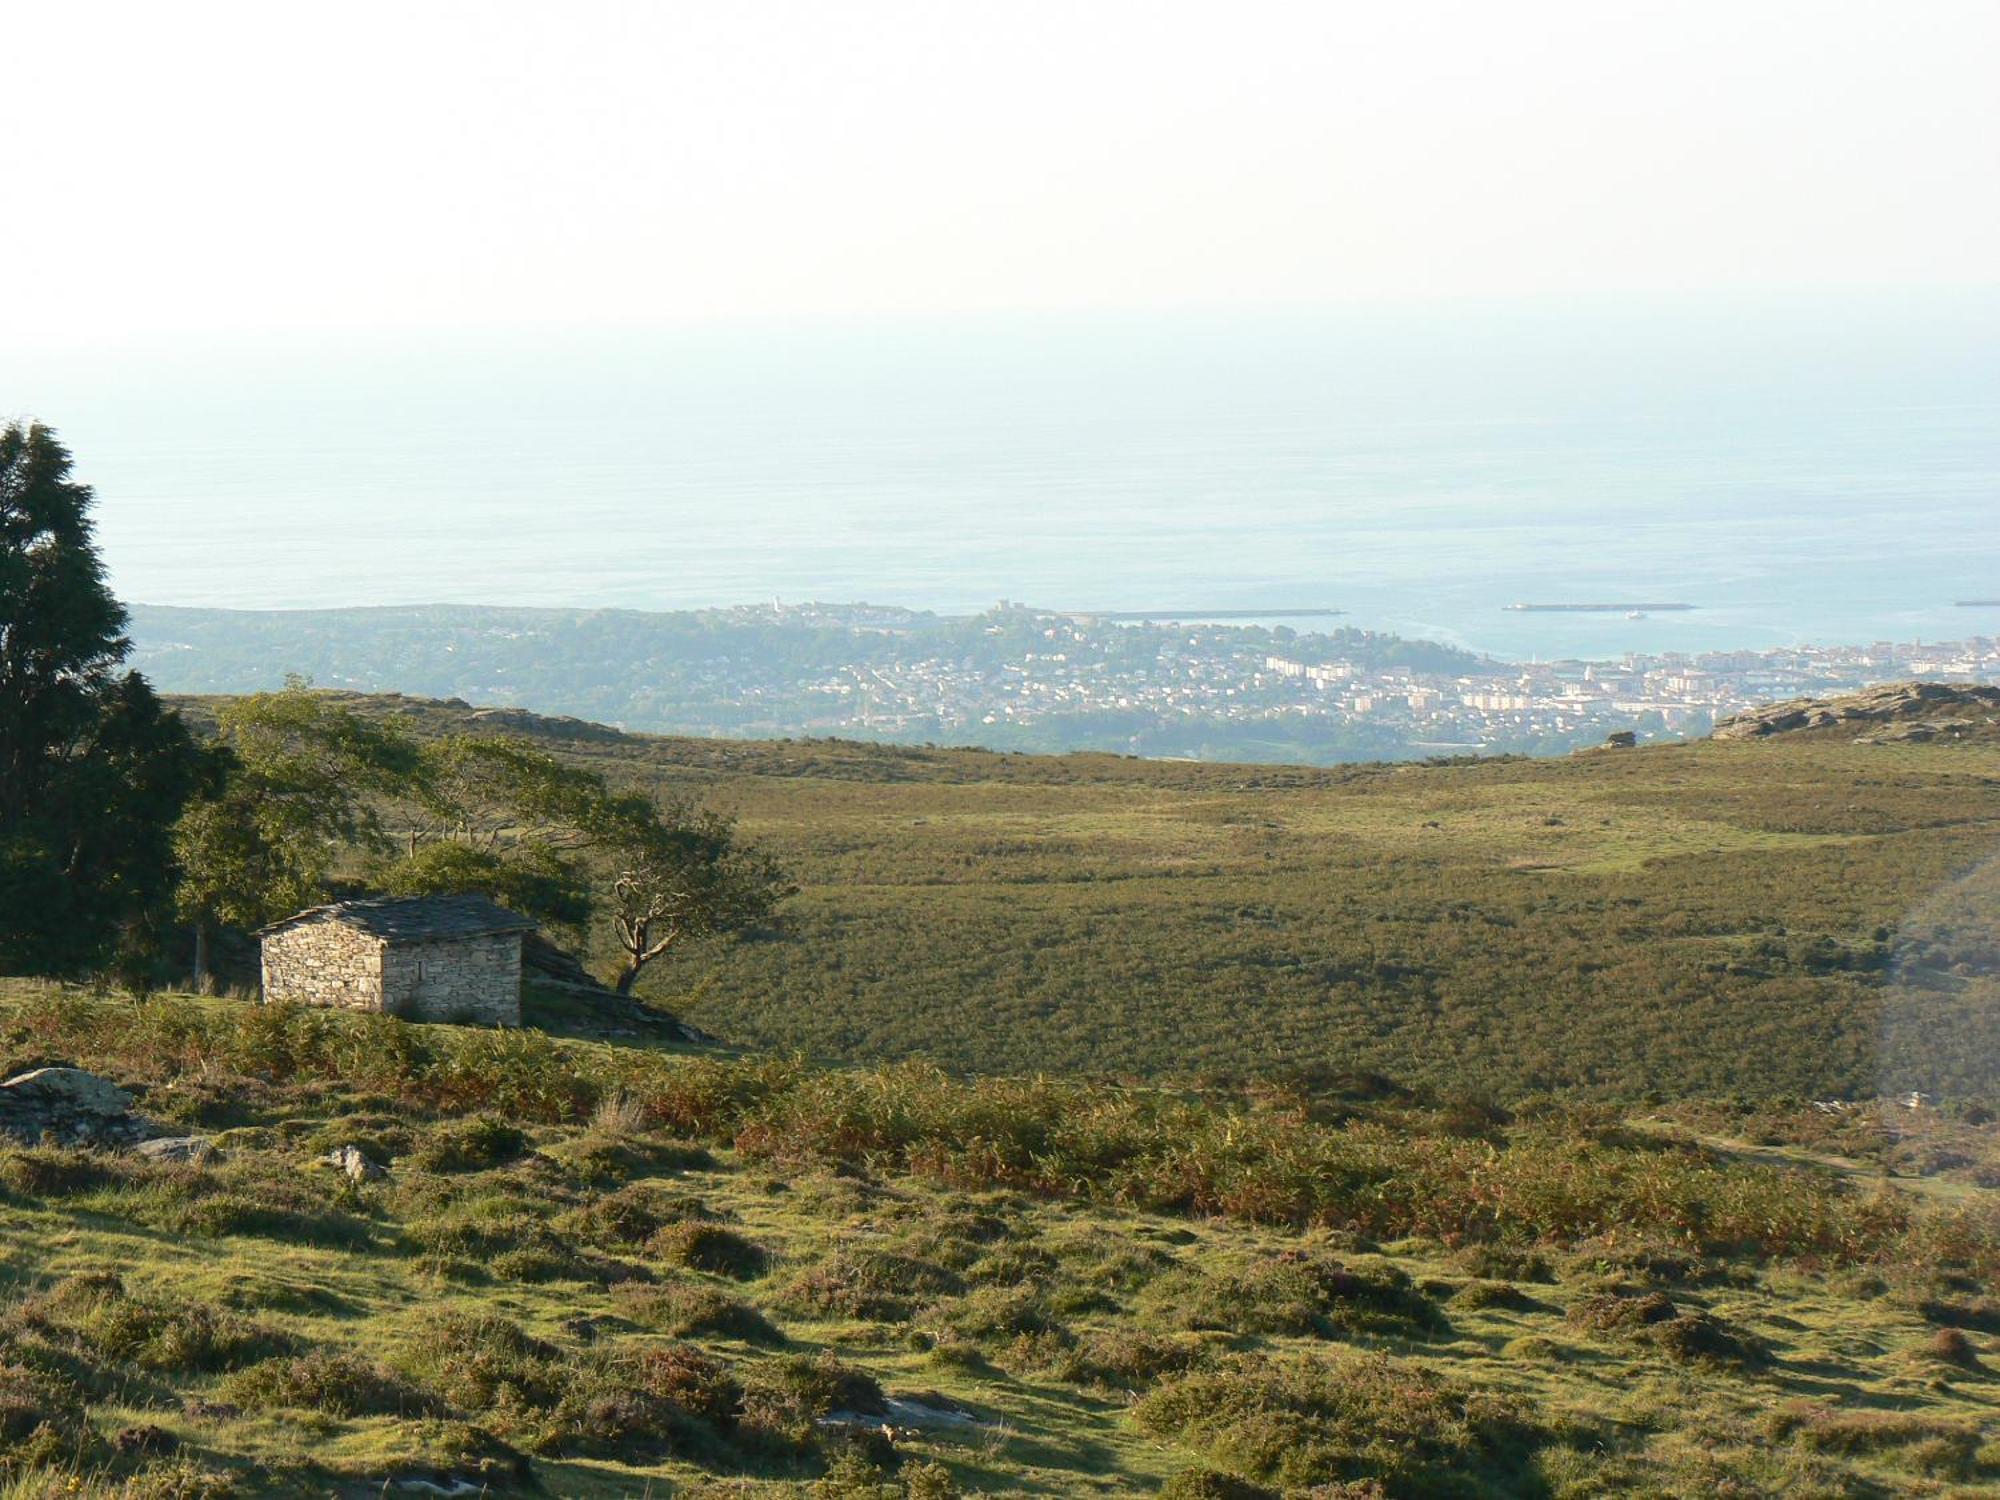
x=737, y=1250
x=1614, y=923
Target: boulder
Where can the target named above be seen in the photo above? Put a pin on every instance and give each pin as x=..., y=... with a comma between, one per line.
x=69, y=1107
x=195, y=1148
x=354, y=1164
x=71, y=1091
x=1893, y=712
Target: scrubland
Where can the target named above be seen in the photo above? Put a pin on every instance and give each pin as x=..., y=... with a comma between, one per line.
x=611, y=1269
x=1798, y=918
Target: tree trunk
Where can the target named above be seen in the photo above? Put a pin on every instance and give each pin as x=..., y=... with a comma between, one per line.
x=204, y=982
x=629, y=975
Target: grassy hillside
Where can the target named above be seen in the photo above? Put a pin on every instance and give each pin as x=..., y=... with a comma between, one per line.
x=1778, y=917
x=599, y=1270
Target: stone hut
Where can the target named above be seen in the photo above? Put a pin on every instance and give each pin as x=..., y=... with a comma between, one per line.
x=424, y=958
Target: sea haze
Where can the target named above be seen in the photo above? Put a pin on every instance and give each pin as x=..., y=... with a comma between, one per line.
x=1819, y=471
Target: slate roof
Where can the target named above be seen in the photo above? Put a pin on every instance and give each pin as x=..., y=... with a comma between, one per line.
x=414, y=918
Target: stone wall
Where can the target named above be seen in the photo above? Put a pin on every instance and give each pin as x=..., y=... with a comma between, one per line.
x=323, y=963
x=474, y=979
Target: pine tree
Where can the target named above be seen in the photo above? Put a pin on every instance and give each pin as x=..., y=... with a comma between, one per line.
x=93, y=769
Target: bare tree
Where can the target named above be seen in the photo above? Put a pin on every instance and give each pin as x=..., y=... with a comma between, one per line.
x=684, y=874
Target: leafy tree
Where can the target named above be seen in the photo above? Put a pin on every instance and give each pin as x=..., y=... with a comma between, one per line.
x=494, y=791
x=531, y=878
x=501, y=816
x=682, y=873
x=496, y=815
x=296, y=778
x=93, y=770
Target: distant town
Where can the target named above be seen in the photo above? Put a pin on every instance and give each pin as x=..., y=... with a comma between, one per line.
x=1016, y=676
x=1206, y=672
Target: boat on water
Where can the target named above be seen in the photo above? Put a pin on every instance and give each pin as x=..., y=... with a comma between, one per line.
x=1635, y=614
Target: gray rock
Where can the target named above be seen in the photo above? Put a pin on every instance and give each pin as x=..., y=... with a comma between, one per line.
x=1896, y=711
x=177, y=1148
x=354, y=1164
x=70, y=1090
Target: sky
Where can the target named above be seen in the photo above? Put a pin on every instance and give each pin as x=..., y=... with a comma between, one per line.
x=258, y=167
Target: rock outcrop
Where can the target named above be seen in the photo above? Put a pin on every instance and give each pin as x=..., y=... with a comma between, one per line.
x=1896, y=711
x=69, y=1106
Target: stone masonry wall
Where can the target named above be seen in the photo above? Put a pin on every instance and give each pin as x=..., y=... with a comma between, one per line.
x=455, y=979
x=323, y=963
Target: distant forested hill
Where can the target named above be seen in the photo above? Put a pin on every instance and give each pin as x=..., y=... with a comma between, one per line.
x=759, y=671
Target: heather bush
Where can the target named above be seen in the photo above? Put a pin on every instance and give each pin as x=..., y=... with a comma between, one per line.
x=1212, y=1484
x=96, y=1315
x=701, y=1246
x=469, y=1145
x=1125, y=1359
x=1652, y=1318
x=1300, y=1423
x=689, y=1310
x=872, y=1284
x=1293, y=1293
x=601, y=1160
x=339, y=1384
x=58, y=1172
x=1056, y=1138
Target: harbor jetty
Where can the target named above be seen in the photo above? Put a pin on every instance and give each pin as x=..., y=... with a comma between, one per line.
x=1586, y=609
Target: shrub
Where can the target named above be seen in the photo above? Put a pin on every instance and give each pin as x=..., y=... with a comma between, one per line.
x=1615, y=1312
x=1125, y=1360
x=995, y=1312
x=1293, y=1293
x=32, y=1403
x=1304, y=1423
x=1477, y=1294
x=693, y=1381
x=339, y=1384
x=1495, y=1262
x=1652, y=1318
x=600, y=1160
x=1950, y=1346
x=627, y=1218
x=1935, y=1446
x=534, y=1264
x=471, y=1145
x=821, y=1384
x=231, y=1213
x=709, y=1247
x=684, y=1311
x=1212, y=1484
x=53, y=1172
x=1980, y=1313
x=867, y=1284
x=181, y=1479
x=153, y=1333
x=471, y=1359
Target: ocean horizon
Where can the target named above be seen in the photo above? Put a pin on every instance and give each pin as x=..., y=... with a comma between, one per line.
x=1820, y=471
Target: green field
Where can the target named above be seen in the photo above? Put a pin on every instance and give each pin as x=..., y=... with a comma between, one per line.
x=1686, y=920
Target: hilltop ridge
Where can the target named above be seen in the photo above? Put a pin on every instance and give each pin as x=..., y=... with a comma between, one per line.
x=1895, y=711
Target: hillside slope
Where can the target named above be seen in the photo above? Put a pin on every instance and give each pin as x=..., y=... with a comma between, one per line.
x=367, y=1258
x=1767, y=916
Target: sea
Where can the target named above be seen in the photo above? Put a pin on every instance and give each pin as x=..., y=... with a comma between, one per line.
x=1809, y=469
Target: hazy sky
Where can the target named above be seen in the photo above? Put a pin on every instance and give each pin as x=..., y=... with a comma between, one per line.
x=279, y=165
